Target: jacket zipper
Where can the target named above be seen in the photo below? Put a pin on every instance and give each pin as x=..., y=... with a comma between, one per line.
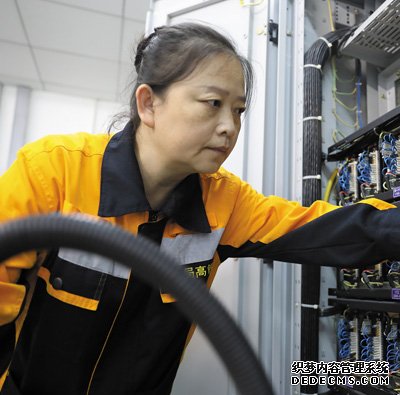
x=108, y=336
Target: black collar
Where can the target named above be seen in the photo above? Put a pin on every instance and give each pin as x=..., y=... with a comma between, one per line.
x=122, y=190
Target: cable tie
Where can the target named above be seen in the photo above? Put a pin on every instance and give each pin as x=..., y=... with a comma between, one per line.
x=316, y=177
x=327, y=43
x=316, y=66
x=315, y=118
x=310, y=306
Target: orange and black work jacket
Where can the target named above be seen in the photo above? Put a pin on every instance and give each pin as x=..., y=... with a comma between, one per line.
x=83, y=324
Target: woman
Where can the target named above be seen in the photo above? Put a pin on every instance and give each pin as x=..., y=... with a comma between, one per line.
x=88, y=326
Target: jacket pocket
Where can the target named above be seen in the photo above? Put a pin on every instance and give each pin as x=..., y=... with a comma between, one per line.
x=73, y=284
x=78, y=278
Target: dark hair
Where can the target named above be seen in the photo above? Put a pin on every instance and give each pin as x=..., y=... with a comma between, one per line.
x=171, y=53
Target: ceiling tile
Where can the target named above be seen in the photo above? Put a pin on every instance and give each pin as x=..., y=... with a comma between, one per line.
x=113, y=7
x=55, y=26
x=10, y=23
x=137, y=10
x=132, y=34
x=20, y=81
x=16, y=62
x=77, y=72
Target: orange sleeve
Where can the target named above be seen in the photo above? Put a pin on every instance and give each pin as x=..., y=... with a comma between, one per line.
x=23, y=192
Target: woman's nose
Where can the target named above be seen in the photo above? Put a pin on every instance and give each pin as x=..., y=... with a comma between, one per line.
x=228, y=124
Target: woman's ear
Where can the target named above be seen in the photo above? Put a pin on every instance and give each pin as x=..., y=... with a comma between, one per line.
x=145, y=104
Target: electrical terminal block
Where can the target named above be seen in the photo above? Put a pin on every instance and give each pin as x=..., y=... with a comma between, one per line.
x=354, y=339
x=372, y=278
x=369, y=173
x=348, y=182
x=377, y=340
x=393, y=275
x=349, y=278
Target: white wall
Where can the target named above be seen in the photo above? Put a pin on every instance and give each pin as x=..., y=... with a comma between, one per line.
x=7, y=109
x=51, y=113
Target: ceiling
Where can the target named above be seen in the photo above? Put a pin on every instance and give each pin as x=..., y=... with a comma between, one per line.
x=77, y=47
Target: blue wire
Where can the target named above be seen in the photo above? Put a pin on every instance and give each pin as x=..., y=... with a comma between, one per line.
x=366, y=347
x=389, y=153
x=364, y=168
x=344, y=178
x=343, y=334
x=393, y=350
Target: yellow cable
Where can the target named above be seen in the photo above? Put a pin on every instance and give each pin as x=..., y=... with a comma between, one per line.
x=353, y=109
x=352, y=93
x=330, y=16
x=330, y=185
x=334, y=135
x=342, y=121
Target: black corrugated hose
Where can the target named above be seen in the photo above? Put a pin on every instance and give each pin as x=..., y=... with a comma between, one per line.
x=153, y=266
x=317, y=55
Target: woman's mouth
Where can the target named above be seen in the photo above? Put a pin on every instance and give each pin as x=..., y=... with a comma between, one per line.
x=222, y=149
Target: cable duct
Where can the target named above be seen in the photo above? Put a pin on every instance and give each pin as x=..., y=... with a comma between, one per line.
x=314, y=60
x=153, y=266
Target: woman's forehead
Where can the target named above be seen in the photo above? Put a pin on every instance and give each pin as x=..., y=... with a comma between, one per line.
x=219, y=71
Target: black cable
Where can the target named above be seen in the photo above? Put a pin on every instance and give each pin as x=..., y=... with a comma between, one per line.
x=314, y=61
x=153, y=266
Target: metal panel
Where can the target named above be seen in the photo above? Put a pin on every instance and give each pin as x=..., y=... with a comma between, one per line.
x=282, y=153
x=7, y=110
x=18, y=135
x=297, y=173
x=377, y=40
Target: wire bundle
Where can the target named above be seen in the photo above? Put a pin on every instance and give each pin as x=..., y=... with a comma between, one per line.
x=393, y=350
x=364, y=168
x=344, y=177
x=335, y=94
x=343, y=335
x=317, y=56
x=314, y=59
x=367, y=348
x=388, y=149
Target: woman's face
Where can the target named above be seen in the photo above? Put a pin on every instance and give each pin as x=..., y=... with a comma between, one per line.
x=197, y=121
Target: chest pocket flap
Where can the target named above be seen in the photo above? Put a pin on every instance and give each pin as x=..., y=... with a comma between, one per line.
x=78, y=278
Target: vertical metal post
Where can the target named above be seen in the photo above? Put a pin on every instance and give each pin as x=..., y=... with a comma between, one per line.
x=297, y=170
x=278, y=313
x=1, y=94
x=19, y=128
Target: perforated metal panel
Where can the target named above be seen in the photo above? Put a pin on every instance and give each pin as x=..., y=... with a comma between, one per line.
x=377, y=40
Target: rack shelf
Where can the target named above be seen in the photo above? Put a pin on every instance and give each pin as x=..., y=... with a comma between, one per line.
x=386, y=294
x=365, y=136
x=366, y=304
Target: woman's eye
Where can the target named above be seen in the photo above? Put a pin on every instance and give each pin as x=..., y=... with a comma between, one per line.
x=214, y=103
x=240, y=111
